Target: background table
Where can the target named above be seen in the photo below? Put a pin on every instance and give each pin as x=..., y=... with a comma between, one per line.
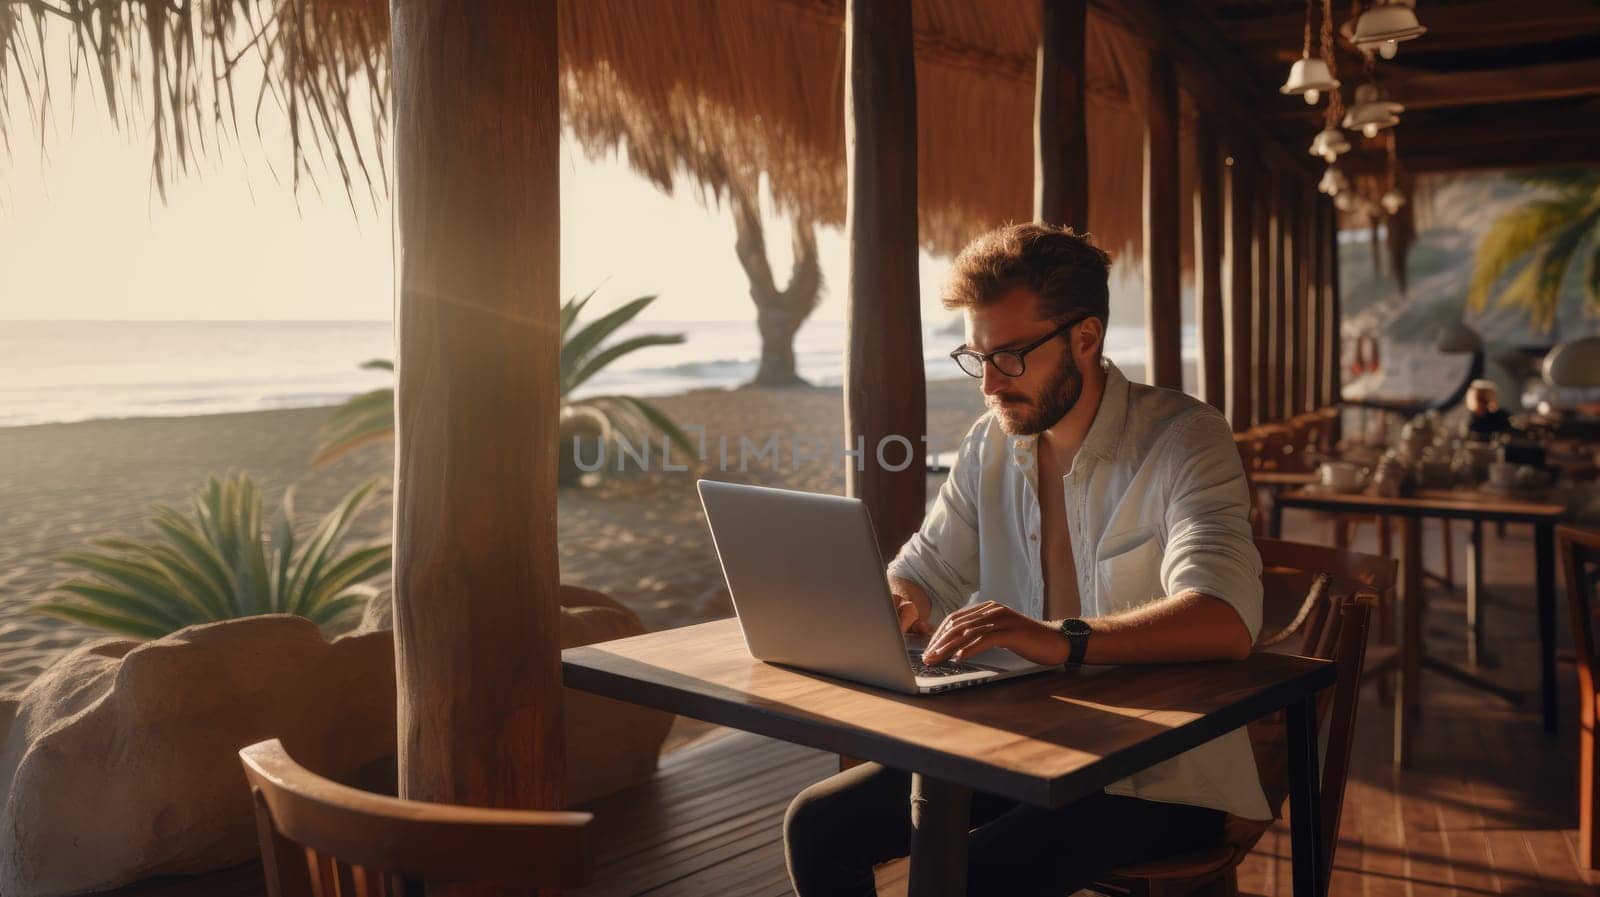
x=1452, y=504
x=1047, y=740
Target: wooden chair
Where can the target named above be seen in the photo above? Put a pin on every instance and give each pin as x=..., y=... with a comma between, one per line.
x=323, y=839
x=1580, y=561
x=1332, y=626
x=1288, y=570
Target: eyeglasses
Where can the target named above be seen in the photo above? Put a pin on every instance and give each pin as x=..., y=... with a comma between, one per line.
x=1008, y=361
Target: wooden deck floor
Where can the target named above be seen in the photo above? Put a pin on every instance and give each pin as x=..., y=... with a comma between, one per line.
x=1489, y=807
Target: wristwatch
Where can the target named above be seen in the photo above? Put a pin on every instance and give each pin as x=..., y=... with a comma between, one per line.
x=1077, y=633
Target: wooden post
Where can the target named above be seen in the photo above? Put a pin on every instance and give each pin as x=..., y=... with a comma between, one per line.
x=1208, y=247
x=1162, y=250
x=1297, y=357
x=1335, y=372
x=1241, y=291
x=1266, y=297
x=885, y=396
x=477, y=242
x=1282, y=307
x=1060, y=129
x=1316, y=319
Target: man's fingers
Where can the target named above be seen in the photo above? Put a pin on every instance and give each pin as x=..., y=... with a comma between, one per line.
x=958, y=641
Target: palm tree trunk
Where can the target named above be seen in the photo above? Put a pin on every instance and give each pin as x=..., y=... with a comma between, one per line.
x=779, y=313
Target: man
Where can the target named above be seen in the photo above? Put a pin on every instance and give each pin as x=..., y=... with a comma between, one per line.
x=1086, y=520
x=1485, y=418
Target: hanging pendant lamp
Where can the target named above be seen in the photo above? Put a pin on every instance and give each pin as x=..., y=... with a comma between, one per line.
x=1333, y=182
x=1384, y=25
x=1310, y=76
x=1330, y=144
x=1372, y=112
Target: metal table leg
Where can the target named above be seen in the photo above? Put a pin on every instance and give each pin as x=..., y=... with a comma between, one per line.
x=941, y=814
x=1307, y=840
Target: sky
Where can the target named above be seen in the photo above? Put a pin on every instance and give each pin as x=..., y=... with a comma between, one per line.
x=84, y=234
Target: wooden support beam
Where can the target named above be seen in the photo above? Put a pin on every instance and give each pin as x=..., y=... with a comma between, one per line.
x=1299, y=305
x=1266, y=295
x=1241, y=290
x=1208, y=257
x=1283, y=320
x=1162, y=217
x=1213, y=70
x=1060, y=128
x=1316, y=322
x=1420, y=89
x=1335, y=370
x=885, y=396
x=477, y=132
x=1465, y=25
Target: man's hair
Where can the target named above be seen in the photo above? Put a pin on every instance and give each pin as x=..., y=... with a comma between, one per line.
x=1063, y=268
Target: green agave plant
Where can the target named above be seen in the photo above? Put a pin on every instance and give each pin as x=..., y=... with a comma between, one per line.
x=1544, y=237
x=216, y=563
x=369, y=417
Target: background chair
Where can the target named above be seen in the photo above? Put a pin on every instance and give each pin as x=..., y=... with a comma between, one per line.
x=323, y=839
x=1580, y=560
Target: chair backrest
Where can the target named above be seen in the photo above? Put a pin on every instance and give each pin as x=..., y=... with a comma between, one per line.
x=1580, y=561
x=1289, y=569
x=322, y=839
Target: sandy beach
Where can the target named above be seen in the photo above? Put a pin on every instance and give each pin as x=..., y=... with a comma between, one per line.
x=637, y=536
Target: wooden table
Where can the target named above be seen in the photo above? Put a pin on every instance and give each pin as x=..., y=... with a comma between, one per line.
x=1453, y=504
x=1047, y=740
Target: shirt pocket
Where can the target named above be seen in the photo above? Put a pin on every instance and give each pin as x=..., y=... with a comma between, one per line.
x=1128, y=568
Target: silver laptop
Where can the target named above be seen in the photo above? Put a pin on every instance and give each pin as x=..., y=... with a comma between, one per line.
x=810, y=591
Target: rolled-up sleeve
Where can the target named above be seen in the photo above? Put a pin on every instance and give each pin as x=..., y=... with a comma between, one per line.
x=942, y=557
x=1210, y=547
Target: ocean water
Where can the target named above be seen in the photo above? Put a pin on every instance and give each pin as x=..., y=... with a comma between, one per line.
x=58, y=371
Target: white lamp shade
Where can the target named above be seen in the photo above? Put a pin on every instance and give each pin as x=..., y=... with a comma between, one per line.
x=1333, y=182
x=1575, y=363
x=1330, y=144
x=1309, y=73
x=1344, y=202
x=1393, y=201
x=1371, y=110
x=1386, y=22
x=1458, y=338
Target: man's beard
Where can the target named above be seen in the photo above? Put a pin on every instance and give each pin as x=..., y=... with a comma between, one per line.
x=1023, y=415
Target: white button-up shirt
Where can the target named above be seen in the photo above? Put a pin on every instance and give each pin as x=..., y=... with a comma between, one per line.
x=1156, y=503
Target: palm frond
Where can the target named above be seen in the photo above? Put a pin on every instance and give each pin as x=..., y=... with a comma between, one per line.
x=366, y=418
x=215, y=564
x=378, y=364
x=576, y=347
x=1514, y=237
x=597, y=362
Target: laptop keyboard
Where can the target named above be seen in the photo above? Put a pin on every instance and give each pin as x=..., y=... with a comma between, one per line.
x=948, y=668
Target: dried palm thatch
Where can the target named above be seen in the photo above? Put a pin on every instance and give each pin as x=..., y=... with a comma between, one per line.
x=704, y=93
x=181, y=58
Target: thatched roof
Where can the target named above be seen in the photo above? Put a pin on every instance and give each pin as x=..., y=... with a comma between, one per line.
x=697, y=93
x=730, y=89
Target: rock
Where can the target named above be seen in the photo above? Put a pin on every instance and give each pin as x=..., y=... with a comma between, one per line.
x=610, y=744
x=122, y=760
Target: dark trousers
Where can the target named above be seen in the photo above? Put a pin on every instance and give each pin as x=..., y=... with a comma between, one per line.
x=839, y=828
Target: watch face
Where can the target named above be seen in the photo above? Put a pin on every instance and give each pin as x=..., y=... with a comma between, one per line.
x=1074, y=627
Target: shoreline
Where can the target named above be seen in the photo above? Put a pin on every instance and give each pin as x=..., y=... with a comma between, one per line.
x=637, y=536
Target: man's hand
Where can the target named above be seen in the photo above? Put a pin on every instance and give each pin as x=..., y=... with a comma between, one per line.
x=913, y=619
x=972, y=630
